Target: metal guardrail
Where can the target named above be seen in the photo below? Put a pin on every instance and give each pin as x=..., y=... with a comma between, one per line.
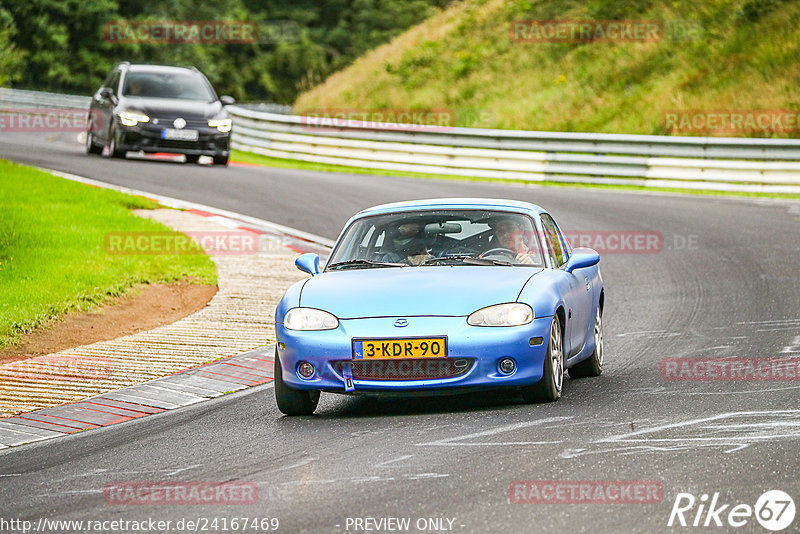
x=39, y=111
x=267, y=107
x=708, y=163
x=19, y=98
x=711, y=163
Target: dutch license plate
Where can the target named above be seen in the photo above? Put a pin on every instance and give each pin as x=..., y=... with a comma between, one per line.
x=179, y=135
x=428, y=347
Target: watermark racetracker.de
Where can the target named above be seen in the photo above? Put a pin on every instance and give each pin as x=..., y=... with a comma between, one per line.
x=585, y=492
x=731, y=121
x=406, y=120
x=586, y=31
x=198, y=523
x=777, y=369
x=58, y=367
x=235, y=242
x=180, y=493
x=200, y=32
x=604, y=31
x=619, y=241
x=48, y=120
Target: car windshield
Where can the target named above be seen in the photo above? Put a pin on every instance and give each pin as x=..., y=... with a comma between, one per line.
x=181, y=85
x=438, y=237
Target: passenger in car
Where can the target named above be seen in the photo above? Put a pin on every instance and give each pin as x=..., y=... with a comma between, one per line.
x=406, y=244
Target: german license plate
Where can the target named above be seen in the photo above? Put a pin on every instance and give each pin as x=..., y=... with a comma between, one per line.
x=179, y=135
x=427, y=347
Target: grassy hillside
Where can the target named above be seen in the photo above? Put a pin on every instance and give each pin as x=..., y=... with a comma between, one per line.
x=714, y=55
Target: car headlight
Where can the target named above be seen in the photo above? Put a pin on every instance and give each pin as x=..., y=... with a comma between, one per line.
x=511, y=314
x=310, y=319
x=223, y=125
x=132, y=118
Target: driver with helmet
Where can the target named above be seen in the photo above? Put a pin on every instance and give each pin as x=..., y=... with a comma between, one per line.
x=407, y=245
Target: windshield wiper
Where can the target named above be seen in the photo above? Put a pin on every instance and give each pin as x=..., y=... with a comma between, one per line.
x=450, y=257
x=469, y=259
x=486, y=261
x=363, y=263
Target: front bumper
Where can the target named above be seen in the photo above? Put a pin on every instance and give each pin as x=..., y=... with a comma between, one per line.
x=471, y=363
x=147, y=138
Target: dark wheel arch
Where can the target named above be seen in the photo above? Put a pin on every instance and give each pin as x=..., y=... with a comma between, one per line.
x=292, y=401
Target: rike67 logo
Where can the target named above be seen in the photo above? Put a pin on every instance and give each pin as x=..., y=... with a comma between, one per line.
x=774, y=510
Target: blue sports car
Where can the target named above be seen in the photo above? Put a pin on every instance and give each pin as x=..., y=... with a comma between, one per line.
x=441, y=295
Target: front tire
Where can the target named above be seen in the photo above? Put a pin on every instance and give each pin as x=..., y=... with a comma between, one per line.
x=221, y=160
x=113, y=151
x=91, y=146
x=292, y=401
x=593, y=365
x=548, y=389
x=192, y=158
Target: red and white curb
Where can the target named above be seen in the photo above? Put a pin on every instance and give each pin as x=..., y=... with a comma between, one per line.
x=187, y=387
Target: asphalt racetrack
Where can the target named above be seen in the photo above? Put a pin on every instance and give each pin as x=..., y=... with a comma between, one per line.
x=722, y=283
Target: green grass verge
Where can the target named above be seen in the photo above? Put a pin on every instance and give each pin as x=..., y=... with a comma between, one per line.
x=52, y=249
x=258, y=159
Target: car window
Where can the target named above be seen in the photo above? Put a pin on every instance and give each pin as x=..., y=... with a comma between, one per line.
x=113, y=83
x=566, y=247
x=365, y=241
x=180, y=85
x=557, y=247
x=550, y=250
x=435, y=237
x=468, y=230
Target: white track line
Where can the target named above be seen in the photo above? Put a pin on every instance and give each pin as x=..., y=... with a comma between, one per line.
x=185, y=204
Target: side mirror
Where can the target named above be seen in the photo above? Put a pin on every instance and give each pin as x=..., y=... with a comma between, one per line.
x=227, y=100
x=580, y=258
x=107, y=93
x=308, y=263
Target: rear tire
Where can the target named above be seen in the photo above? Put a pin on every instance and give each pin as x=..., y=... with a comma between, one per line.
x=292, y=401
x=221, y=160
x=548, y=389
x=593, y=365
x=192, y=159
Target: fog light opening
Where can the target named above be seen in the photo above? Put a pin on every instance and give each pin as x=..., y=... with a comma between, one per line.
x=306, y=369
x=507, y=366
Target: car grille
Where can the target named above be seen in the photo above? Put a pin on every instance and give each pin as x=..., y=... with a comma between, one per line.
x=169, y=143
x=405, y=368
x=191, y=124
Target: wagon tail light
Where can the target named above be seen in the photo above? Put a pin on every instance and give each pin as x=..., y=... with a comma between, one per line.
x=511, y=314
x=310, y=319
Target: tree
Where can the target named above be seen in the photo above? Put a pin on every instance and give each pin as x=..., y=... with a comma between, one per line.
x=64, y=47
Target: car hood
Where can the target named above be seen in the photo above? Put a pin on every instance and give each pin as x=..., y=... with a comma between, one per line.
x=173, y=108
x=410, y=291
